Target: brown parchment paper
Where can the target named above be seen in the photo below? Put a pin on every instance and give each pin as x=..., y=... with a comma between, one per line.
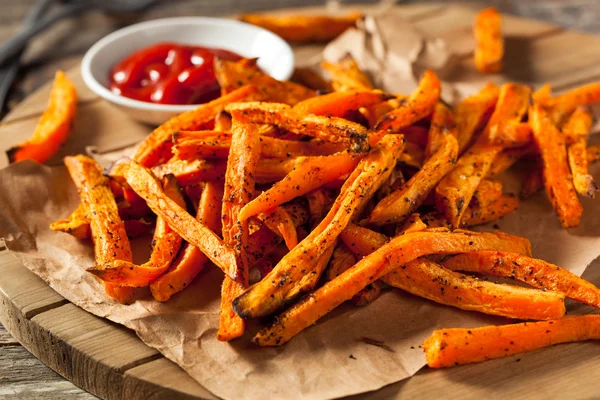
x=327, y=360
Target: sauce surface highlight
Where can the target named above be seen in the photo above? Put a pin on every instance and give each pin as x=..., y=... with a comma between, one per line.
x=169, y=73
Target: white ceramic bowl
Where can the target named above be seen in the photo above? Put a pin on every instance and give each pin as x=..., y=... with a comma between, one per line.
x=275, y=56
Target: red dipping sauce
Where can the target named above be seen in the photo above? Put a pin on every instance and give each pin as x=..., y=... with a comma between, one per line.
x=169, y=73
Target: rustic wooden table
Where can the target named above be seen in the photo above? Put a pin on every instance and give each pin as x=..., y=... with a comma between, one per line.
x=21, y=374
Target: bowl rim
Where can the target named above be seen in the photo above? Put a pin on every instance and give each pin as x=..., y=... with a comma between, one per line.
x=105, y=93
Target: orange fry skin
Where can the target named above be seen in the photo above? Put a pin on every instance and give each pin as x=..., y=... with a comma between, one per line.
x=487, y=192
x=470, y=113
x=108, y=230
x=559, y=185
x=402, y=202
x=419, y=105
x=264, y=298
x=192, y=172
x=76, y=225
x=394, y=254
x=165, y=245
x=309, y=175
x=156, y=148
x=442, y=125
x=533, y=272
x=489, y=48
x=449, y=347
x=340, y=104
x=53, y=127
x=191, y=261
x=498, y=208
x=304, y=28
x=232, y=75
x=239, y=188
x=189, y=228
x=576, y=131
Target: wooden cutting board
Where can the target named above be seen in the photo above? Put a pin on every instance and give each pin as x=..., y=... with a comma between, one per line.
x=111, y=362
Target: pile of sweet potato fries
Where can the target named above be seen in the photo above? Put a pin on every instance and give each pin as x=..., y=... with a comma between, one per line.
x=306, y=200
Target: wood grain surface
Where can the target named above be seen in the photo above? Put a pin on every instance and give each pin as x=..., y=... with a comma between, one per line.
x=66, y=337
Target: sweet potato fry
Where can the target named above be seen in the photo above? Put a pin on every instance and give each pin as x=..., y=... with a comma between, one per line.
x=489, y=48
x=165, y=245
x=53, y=127
x=429, y=280
x=449, y=347
x=191, y=172
x=274, y=170
x=533, y=181
x=304, y=28
x=331, y=129
x=108, y=231
x=191, y=261
x=511, y=134
x=454, y=192
x=402, y=202
x=309, y=175
x=569, y=101
x=543, y=94
x=339, y=104
x=76, y=225
x=156, y=148
x=280, y=222
x=193, y=145
x=413, y=223
x=394, y=254
x=508, y=157
x=307, y=76
x=419, y=105
x=189, y=228
x=533, y=272
x=576, y=131
x=470, y=113
x=341, y=260
x=559, y=186
x=487, y=192
x=442, y=125
x=232, y=75
x=482, y=215
x=319, y=202
x=593, y=153
x=263, y=297
x=239, y=188
x=222, y=122
x=346, y=75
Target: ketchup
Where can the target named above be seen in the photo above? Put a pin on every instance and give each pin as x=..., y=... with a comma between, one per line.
x=169, y=73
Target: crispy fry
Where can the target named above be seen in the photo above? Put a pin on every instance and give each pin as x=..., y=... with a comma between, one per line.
x=536, y=273
x=394, y=254
x=239, y=188
x=319, y=202
x=489, y=48
x=191, y=172
x=507, y=158
x=413, y=223
x=331, y=129
x=482, y=215
x=232, y=75
x=470, y=113
x=280, y=222
x=76, y=225
x=108, y=231
x=341, y=260
x=426, y=279
x=346, y=75
x=559, y=186
x=593, y=153
x=53, y=127
x=576, y=131
x=533, y=181
x=223, y=122
x=165, y=245
x=569, y=101
x=442, y=125
x=263, y=297
x=543, y=94
x=304, y=28
x=419, y=105
x=449, y=347
x=189, y=228
x=487, y=192
x=156, y=148
x=194, y=145
x=309, y=175
x=191, y=261
x=511, y=134
x=401, y=203
x=454, y=192
x=307, y=76
x=339, y=104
